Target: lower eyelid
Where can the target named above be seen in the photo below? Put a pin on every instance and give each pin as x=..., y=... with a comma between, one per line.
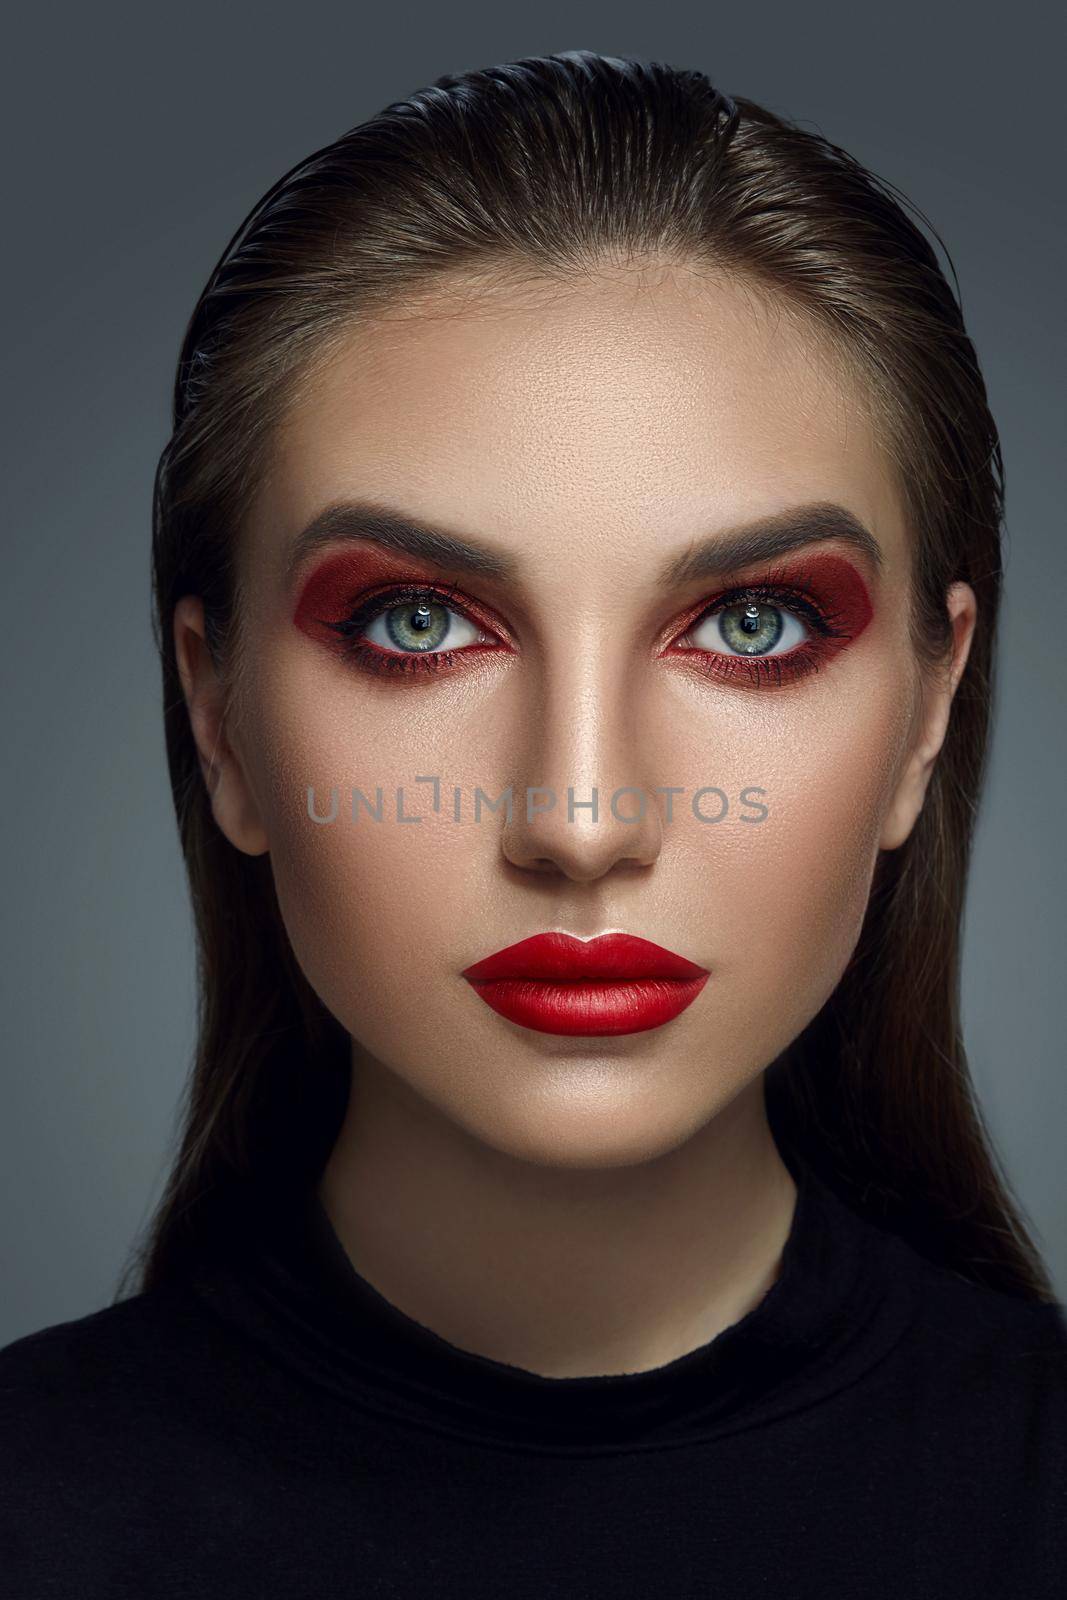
x=758, y=671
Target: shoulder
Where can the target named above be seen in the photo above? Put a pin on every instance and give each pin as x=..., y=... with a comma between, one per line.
x=124, y=1365
x=984, y=1367
x=955, y=1314
x=942, y=1318
x=104, y=1419
x=105, y=1416
x=48, y=1354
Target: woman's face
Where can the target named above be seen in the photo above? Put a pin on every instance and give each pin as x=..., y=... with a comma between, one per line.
x=585, y=443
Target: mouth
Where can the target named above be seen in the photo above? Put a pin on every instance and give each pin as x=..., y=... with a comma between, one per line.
x=616, y=983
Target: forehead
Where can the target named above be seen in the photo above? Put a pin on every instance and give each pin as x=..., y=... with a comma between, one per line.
x=611, y=414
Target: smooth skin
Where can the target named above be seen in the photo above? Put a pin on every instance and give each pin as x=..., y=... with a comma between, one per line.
x=571, y=1206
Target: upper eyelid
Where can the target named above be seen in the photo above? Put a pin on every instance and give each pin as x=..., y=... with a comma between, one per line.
x=770, y=593
x=391, y=595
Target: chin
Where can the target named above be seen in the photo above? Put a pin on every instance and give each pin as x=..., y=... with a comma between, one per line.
x=600, y=1122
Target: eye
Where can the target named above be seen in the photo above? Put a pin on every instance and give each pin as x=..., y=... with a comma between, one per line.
x=422, y=625
x=778, y=630
x=411, y=629
x=749, y=628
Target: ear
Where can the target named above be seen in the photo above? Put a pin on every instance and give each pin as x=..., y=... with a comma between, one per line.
x=937, y=698
x=232, y=803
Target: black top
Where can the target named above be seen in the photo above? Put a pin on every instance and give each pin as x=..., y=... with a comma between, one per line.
x=875, y=1426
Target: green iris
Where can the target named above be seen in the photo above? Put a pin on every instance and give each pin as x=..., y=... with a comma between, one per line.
x=751, y=629
x=417, y=626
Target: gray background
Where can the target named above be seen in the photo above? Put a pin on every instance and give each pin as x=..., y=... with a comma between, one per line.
x=138, y=139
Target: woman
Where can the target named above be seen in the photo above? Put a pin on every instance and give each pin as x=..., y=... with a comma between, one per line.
x=576, y=565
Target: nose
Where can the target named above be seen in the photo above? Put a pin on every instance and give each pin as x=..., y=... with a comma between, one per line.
x=583, y=801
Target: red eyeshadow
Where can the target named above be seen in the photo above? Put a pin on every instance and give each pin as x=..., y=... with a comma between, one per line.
x=331, y=591
x=836, y=586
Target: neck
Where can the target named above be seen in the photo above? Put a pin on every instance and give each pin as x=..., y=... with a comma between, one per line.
x=563, y=1272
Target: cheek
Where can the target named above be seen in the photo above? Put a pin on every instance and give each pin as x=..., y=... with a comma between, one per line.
x=370, y=907
x=366, y=903
x=799, y=882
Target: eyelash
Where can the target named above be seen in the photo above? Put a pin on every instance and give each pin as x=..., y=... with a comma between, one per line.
x=793, y=594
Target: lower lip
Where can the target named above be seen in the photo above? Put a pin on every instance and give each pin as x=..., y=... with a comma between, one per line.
x=589, y=1007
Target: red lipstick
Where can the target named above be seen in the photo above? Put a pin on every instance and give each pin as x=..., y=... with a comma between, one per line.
x=616, y=983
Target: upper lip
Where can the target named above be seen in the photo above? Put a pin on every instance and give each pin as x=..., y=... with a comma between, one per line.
x=562, y=958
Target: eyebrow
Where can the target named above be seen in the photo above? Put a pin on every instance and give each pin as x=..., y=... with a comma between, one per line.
x=770, y=537
x=765, y=539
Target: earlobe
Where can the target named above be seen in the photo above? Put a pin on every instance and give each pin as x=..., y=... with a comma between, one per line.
x=907, y=802
x=232, y=802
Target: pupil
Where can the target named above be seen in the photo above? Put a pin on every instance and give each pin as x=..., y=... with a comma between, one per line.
x=419, y=625
x=753, y=629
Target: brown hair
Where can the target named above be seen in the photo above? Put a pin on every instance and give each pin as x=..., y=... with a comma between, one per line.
x=552, y=168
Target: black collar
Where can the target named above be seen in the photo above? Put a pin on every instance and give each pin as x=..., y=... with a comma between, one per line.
x=844, y=1295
